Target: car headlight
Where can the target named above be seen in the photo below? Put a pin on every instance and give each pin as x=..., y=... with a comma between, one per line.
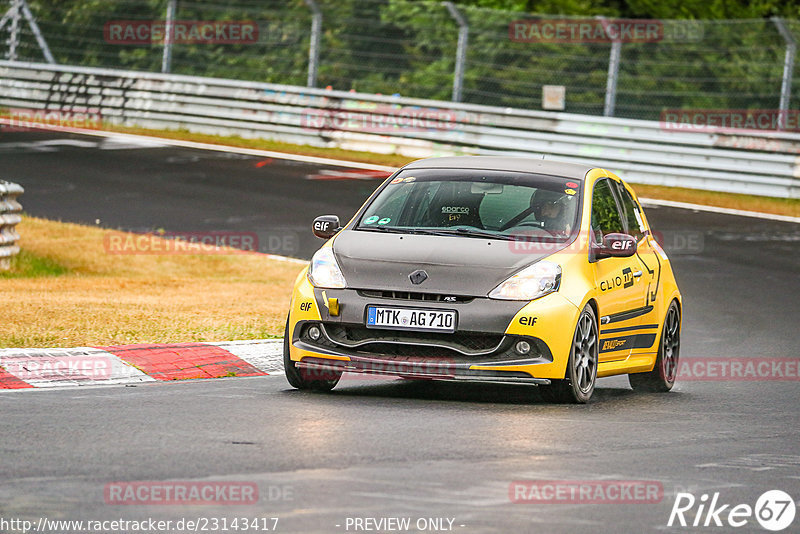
x=530, y=283
x=324, y=272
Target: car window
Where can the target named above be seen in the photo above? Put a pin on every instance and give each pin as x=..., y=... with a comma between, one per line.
x=632, y=213
x=495, y=209
x=394, y=206
x=605, y=214
x=505, y=203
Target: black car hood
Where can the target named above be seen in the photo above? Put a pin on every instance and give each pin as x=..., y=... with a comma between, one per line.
x=455, y=265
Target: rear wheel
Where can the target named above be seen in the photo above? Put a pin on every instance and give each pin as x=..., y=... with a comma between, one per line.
x=300, y=378
x=581, y=374
x=662, y=377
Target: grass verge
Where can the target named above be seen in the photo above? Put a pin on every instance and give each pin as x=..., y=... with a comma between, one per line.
x=777, y=206
x=394, y=160
x=64, y=290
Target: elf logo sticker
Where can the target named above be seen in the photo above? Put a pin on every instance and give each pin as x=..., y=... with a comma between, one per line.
x=322, y=226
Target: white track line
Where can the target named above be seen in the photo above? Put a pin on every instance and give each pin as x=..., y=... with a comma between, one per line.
x=714, y=209
x=210, y=146
x=284, y=258
x=372, y=166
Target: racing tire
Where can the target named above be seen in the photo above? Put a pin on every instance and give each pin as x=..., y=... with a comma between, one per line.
x=304, y=378
x=662, y=377
x=580, y=377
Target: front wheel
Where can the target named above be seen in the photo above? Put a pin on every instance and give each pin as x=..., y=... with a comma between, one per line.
x=299, y=378
x=662, y=377
x=581, y=375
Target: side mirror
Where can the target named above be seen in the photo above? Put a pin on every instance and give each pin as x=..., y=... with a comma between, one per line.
x=617, y=246
x=326, y=226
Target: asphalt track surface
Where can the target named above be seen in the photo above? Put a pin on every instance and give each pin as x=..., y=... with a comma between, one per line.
x=392, y=448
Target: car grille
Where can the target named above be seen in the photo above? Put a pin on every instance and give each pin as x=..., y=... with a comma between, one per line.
x=410, y=295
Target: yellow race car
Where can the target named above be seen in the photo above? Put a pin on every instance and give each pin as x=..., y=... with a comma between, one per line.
x=489, y=269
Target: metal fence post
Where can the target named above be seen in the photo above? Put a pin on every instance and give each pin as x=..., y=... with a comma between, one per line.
x=5, y=17
x=313, y=48
x=169, y=30
x=613, y=73
x=20, y=7
x=788, y=66
x=26, y=11
x=461, y=52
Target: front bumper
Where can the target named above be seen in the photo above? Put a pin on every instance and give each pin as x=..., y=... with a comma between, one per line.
x=417, y=370
x=482, y=348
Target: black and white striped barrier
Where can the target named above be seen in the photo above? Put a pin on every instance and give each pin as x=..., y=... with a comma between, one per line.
x=10, y=216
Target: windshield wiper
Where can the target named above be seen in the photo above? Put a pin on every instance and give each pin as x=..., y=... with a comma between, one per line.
x=395, y=230
x=470, y=232
x=384, y=229
x=466, y=232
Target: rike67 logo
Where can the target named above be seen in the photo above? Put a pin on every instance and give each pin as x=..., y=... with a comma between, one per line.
x=774, y=510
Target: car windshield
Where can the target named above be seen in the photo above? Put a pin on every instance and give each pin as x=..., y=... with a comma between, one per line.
x=475, y=203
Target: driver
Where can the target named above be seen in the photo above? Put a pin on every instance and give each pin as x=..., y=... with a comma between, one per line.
x=549, y=210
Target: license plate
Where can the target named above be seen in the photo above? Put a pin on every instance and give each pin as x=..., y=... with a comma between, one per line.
x=411, y=319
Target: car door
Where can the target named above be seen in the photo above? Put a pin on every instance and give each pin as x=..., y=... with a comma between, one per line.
x=620, y=293
x=650, y=265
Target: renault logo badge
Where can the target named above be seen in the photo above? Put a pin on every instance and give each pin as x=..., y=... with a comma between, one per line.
x=418, y=276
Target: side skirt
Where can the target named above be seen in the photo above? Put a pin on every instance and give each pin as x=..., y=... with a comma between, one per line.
x=636, y=363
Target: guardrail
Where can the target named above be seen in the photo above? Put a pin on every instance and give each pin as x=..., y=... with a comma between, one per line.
x=752, y=162
x=9, y=218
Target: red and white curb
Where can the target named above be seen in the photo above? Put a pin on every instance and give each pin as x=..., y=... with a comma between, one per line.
x=133, y=364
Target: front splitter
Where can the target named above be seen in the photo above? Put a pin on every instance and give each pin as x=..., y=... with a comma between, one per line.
x=423, y=370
